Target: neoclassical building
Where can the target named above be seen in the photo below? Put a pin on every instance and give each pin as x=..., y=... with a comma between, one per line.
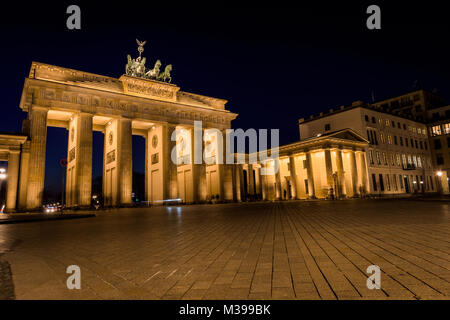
x=328, y=165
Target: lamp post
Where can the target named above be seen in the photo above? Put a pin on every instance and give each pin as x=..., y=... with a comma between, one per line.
x=3, y=176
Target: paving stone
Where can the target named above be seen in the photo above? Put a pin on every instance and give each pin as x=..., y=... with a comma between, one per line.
x=282, y=250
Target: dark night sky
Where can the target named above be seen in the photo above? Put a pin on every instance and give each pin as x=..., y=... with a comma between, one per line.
x=273, y=63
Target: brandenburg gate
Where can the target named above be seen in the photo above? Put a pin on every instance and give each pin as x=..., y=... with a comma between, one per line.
x=141, y=102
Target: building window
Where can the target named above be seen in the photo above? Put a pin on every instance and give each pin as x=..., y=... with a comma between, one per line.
x=421, y=145
x=374, y=182
x=389, y=139
x=401, y=141
x=426, y=145
x=437, y=144
x=412, y=143
x=387, y=123
x=367, y=118
x=394, y=181
x=406, y=142
x=395, y=140
x=393, y=159
x=404, y=160
x=371, y=157
x=381, y=183
x=374, y=120
x=327, y=127
x=439, y=159
x=398, y=125
x=388, y=180
x=417, y=145
x=401, y=181
x=419, y=162
x=378, y=158
x=383, y=140
x=446, y=128
x=385, y=159
x=399, y=161
x=436, y=131
x=448, y=142
x=404, y=126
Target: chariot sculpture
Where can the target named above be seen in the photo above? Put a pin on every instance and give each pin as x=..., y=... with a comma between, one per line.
x=136, y=67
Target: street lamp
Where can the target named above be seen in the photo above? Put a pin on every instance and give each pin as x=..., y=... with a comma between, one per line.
x=439, y=173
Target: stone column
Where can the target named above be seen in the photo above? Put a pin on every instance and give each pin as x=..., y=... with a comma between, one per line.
x=13, y=179
x=24, y=166
x=124, y=154
x=279, y=191
x=340, y=174
x=293, y=172
x=251, y=185
x=354, y=172
x=260, y=182
x=198, y=170
x=240, y=178
x=310, y=175
x=84, y=159
x=172, y=185
x=36, y=173
x=329, y=168
x=146, y=176
x=263, y=179
x=444, y=183
x=364, y=173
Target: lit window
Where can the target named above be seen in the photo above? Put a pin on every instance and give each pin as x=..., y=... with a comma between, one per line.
x=389, y=139
x=404, y=160
x=436, y=131
x=446, y=128
x=415, y=160
x=419, y=162
x=399, y=163
x=385, y=158
x=387, y=123
x=371, y=157
x=382, y=138
x=378, y=158
x=409, y=159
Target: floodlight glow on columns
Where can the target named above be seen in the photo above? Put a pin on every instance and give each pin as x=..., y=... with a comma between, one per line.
x=439, y=173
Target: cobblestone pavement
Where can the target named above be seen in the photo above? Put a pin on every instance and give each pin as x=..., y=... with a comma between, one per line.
x=289, y=250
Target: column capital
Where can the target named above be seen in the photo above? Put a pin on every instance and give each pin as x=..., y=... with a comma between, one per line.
x=14, y=149
x=82, y=113
x=35, y=107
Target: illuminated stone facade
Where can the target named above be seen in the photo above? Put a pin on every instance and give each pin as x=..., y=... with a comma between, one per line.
x=352, y=152
x=399, y=158
x=82, y=102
